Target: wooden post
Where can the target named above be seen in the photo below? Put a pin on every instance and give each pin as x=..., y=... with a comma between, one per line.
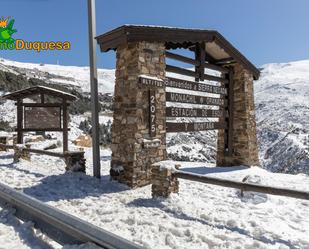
x=200, y=56
x=42, y=133
x=65, y=125
x=197, y=57
x=202, y=60
x=42, y=98
x=19, y=121
x=230, y=110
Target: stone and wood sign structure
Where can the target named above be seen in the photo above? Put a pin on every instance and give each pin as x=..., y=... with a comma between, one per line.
x=44, y=116
x=149, y=103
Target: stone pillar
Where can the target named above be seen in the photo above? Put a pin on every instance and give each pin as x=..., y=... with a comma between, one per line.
x=245, y=149
x=20, y=152
x=131, y=159
x=3, y=141
x=163, y=182
x=75, y=161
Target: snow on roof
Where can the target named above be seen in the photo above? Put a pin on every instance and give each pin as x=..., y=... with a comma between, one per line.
x=21, y=94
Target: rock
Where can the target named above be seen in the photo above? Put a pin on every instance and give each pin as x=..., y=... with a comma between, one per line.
x=34, y=139
x=250, y=196
x=51, y=146
x=83, y=141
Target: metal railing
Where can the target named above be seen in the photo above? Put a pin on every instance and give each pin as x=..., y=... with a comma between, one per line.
x=58, y=225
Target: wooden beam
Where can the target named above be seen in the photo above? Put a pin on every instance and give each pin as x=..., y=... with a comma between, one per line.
x=65, y=126
x=178, y=70
x=20, y=120
x=196, y=62
x=230, y=112
x=182, y=58
x=42, y=98
x=202, y=56
x=197, y=52
x=43, y=104
x=242, y=186
x=224, y=61
x=42, y=129
x=45, y=152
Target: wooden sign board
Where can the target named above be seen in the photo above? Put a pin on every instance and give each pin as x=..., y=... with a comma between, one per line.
x=194, y=86
x=192, y=127
x=42, y=118
x=151, y=82
x=192, y=112
x=152, y=113
x=193, y=99
x=182, y=84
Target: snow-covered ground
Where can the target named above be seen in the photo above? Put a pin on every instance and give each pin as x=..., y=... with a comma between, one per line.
x=200, y=216
x=17, y=234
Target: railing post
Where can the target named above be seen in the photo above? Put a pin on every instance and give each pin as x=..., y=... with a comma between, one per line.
x=163, y=181
x=75, y=161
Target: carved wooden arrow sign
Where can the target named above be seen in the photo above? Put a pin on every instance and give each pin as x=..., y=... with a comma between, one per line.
x=190, y=127
x=193, y=99
x=192, y=112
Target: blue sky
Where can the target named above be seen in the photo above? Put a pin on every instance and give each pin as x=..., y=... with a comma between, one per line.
x=264, y=31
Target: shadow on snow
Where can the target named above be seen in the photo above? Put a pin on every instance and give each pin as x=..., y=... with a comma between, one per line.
x=14, y=166
x=210, y=170
x=69, y=186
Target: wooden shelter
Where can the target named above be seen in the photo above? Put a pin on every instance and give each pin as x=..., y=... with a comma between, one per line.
x=208, y=45
x=42, y=116
x=222, y=96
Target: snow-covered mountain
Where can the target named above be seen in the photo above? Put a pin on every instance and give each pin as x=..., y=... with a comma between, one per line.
x=282, y=110
x=70, y=76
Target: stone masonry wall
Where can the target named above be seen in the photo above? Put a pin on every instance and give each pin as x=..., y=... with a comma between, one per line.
x=163, y=182
x=244, y=131
x=3, y=141
x=131, y=160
